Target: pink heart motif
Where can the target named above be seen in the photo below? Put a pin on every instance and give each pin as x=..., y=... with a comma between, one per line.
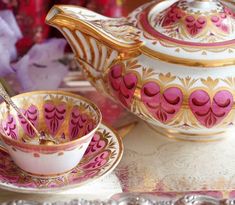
x=221, y=22
x=195, y=26
x=163, y=106
x=229, y=12
x=32, y=115
x=210, y=112
x=96, y=145
x=98, y=161
x=79, y=124
x=123, y=85
x=173, y=15
x=54, y=116
x=10, y=128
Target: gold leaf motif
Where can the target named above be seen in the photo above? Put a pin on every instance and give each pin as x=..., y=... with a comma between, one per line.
x=147, y=73
x=55, y=98
x=133, y=64
x=187, y=82
x=166, y=78
x=210, y=83
x=140, y=110
x=230, y=81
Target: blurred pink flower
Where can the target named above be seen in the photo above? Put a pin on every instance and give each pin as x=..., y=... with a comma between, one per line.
x=40, y=68
x=9, y=35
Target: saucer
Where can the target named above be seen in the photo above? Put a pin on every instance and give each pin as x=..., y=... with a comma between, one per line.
x=101, y=157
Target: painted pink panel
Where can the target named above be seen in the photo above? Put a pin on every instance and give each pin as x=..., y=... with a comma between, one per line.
x=123, y=85
x=10, y=127
x=195, y=26
x=97, y=162
x=163, y=106
x=32, y=115
x=210, y=112
x=96, y=145
x=54, y=116
x=77, y=123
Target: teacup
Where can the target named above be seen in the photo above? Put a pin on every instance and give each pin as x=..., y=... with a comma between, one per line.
x=69, y=119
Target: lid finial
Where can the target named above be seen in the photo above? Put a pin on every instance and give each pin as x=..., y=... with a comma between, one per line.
x=203, y=3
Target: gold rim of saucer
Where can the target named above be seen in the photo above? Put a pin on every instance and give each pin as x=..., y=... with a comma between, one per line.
x=62, y=145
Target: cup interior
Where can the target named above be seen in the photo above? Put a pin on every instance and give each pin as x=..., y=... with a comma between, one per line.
x=63, y=116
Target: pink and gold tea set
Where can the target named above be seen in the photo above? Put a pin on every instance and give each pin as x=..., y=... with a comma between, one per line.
x=170, y=62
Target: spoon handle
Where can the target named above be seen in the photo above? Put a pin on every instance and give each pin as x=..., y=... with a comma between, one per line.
x=8, y=100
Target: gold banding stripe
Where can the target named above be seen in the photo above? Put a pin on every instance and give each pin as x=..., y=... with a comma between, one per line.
x=188, y=62
x=181, y=136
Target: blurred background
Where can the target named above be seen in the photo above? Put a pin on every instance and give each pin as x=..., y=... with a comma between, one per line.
x=30, y=16
x=32, y=54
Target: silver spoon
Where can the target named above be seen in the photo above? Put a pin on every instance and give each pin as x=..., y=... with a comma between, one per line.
x=42, y=137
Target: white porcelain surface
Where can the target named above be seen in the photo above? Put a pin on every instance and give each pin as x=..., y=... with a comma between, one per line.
x=49, y=164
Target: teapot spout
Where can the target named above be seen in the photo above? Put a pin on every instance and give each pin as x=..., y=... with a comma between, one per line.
x=87, y=31
x=97, y=41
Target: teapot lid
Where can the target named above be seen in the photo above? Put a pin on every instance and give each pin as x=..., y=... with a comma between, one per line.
x=200, y=21
x=193, y=32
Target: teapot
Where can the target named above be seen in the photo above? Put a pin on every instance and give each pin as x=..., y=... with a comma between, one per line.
x=170, y=62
